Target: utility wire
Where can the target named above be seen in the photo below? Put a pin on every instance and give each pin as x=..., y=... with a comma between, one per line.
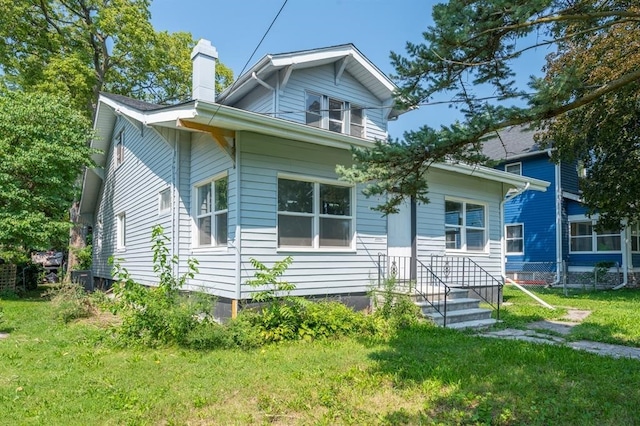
x=251, y=57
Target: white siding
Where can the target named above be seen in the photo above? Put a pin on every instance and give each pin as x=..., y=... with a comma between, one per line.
x=431, y=237
x=315, y=272
x=217, y=266
x=132, y=189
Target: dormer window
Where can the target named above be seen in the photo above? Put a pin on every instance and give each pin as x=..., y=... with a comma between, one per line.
x=335, y=115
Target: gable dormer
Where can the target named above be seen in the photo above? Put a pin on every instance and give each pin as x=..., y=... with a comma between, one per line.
x=335, y=88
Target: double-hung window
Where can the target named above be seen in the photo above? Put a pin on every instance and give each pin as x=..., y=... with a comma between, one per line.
x=334, y=114
x=584, y=238
x=465, y=226
x=164, y=201
x=314, y=214
x=211, y=212
x=515, y=238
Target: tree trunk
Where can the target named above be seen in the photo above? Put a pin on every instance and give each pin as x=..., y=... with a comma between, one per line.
x=77, y=238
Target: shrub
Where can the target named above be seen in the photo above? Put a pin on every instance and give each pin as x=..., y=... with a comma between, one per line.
x=395, y=307
x=159, y=315
x=70, y=302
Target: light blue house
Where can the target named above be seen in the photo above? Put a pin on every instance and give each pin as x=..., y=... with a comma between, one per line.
x=549, y=238
x=250, y=173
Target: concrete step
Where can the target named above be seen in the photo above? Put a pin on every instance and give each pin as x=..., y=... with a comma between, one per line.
x=473, y=325
x=438, y=293
x=452, y=305
x=461, y=316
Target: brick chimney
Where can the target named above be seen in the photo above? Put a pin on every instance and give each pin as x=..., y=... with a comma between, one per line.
x=203, y=57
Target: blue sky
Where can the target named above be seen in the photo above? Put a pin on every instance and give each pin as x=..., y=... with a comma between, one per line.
x=375, y=27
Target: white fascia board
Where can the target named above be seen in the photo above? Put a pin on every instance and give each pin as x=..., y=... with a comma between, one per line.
x=482, y=172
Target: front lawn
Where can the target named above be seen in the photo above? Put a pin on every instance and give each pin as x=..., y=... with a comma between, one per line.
x=51, y=373
x=614, y=318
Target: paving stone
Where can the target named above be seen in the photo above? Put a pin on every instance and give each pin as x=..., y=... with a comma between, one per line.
x=606, y=349
x=560, y=327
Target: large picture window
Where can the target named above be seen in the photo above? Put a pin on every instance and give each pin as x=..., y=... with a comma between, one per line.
x=515, y=238
x=314, y=214
x=465, y=226
x=335, y=115
x=211, y=212
x=584, y=238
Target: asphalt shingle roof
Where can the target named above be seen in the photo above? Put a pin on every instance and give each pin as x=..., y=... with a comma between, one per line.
x=512, y=142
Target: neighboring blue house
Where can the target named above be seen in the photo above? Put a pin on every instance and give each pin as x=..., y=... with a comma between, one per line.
x=548, y=237
x=251, y=173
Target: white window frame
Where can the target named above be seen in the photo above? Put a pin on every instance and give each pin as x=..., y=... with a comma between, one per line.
x=164, y=209
x=518, y=164
x=316, y=215
x=119, y=148
x=121, y=231
x=634, y=236
x=213, y=213
x=507, y=239
x=325, y=116
x=463, y=227
x=593, y=238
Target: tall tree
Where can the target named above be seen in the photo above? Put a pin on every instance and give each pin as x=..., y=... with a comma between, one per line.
x=43, y=149
x=82, y=47
x=470, y=52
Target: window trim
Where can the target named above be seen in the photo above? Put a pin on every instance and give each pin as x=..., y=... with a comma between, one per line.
x=463, y=238
x=121, y=231
x=195, y=232
x=506, y=239
x=634, y=233
x=316, y=215
x=518, y=163
x=594, y=237
x=167, y=210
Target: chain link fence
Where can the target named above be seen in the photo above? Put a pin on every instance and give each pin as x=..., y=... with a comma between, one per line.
x=546, y=274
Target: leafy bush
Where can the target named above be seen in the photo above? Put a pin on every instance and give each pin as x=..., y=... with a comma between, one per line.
x=84, y=257
x=159, y=315
x=70, y=302
x=395, y=307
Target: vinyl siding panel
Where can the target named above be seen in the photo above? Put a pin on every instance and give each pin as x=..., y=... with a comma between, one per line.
x=431, y=217
x=537, y=211
x=569, y=177
x=321, y=80
x=133, y=189
x=314, y=272
x=217, y=265
x=260, y=100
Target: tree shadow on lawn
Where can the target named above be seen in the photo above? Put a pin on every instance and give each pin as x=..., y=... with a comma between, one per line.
x=461, y=378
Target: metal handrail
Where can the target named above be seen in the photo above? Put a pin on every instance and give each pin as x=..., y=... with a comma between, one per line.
x=464, y=272
x=425, y=284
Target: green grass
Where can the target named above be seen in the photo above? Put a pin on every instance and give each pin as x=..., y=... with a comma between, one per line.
x=57, y=374
x=614, y=318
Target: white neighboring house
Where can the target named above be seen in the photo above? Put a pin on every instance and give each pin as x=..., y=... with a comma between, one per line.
x=251, y=174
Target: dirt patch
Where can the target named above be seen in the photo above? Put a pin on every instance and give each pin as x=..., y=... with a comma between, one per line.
x=576, y=315
x=4, y=335
x=101, y=319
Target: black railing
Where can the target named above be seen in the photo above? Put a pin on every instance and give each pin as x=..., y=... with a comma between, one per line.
x=463, y=272
x=414, y=279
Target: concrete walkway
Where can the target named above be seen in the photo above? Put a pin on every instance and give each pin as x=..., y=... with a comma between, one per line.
x=553, y=332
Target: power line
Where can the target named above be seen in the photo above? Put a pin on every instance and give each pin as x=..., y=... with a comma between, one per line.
x=251, y=57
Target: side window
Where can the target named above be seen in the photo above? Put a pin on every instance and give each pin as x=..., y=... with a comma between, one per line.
x=515, y=168
x=164, y=201
x=120, y=148
x=515, y=238
x=314, y=110
x=356, y=124
x=121, y=228
x=212, y=212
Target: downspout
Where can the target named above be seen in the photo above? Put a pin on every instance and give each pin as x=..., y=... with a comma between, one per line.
x=625, y=259
x=175, y=217
x=414, y=240
x=558, y=202
x=238, y=236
